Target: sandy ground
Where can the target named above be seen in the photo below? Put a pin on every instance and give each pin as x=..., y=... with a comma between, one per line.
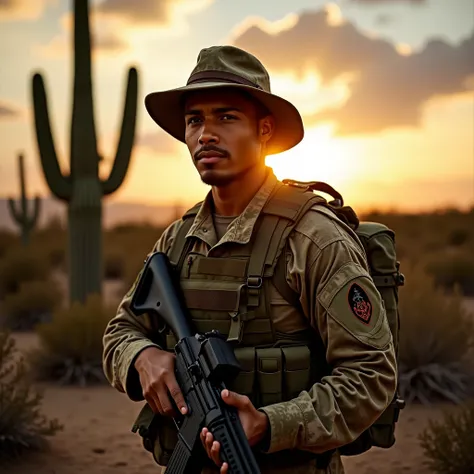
x=96, y=438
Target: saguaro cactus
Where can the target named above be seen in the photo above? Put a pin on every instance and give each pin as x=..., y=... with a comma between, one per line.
x=82, y=188
x=21, y=216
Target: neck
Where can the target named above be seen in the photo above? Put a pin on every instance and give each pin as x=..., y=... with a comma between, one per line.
x=232, y=199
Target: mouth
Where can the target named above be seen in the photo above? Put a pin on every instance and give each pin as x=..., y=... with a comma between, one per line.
x=209, y=157
x=207, y=160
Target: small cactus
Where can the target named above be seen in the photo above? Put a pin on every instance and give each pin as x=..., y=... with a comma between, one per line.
x=83, y=189
x=20, y=214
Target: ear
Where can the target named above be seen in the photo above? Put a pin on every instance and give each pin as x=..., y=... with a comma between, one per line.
x=266, y=128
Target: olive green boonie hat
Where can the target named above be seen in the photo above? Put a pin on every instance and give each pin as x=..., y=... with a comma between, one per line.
x=224, y=67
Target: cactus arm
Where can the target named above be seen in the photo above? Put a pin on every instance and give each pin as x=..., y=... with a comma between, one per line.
x=59, y=185
x=33, y=219
x=21, y=169
x=15, y=213
x=127, y=133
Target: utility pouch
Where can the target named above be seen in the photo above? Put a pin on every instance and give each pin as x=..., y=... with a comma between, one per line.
x=244, y=382
x=269, y=375
x=158, y=432
x=297, y=363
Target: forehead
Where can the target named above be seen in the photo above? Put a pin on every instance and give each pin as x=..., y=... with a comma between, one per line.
x=218, y=98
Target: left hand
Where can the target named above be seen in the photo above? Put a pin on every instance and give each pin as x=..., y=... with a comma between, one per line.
x=254, y=423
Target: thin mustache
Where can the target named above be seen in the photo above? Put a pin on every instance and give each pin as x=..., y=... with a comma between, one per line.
x=222, y=152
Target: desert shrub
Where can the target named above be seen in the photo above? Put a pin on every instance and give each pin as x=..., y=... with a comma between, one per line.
x=8, y=241
x=419, y=235
x=449, y=444
x=33, y=303
x=19, y=266
x=50, y=242
x=456, y=269
x=458, y=237
x=22, y=426
x=71, y=344
x=114, y=264
x=126, y=248
x=436, y=340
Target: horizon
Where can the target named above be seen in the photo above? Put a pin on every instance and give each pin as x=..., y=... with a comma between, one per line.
x=385, y=88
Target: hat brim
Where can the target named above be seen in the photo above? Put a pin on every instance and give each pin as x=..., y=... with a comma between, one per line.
x=165, y=108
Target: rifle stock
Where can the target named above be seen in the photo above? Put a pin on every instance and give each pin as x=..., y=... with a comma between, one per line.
x=205, y=363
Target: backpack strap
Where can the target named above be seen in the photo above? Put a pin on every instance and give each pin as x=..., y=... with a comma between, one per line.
x=280, y=214
x=180, y=245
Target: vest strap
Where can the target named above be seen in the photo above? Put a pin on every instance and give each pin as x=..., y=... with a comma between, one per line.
x=258, y=257
x=180, y=246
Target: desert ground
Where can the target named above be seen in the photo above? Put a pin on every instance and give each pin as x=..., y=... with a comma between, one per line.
x=96, y=438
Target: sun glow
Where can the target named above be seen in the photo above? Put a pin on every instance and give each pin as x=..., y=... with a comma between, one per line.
x=319, y=157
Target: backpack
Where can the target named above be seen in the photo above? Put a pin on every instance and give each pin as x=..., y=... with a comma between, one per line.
x=378, y=242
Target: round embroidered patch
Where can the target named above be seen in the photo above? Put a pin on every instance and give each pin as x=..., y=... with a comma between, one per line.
x=360, y=303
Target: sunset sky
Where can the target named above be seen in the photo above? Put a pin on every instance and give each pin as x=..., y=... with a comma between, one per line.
x=385, y=87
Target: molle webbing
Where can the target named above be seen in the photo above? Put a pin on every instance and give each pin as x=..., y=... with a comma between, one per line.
x=244, y=304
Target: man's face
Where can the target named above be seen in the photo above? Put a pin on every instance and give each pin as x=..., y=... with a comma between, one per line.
x=225, y=135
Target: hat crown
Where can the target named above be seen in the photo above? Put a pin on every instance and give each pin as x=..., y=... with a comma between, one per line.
x=234, y=63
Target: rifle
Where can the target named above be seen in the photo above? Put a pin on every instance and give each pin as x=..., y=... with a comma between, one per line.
x=205, y=364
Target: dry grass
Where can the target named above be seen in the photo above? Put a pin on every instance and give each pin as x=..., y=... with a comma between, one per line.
x=436, y=341
x=71, y=344
x=22, y=427
x=448, y=444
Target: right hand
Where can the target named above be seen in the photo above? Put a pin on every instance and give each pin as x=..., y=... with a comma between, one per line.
x=155, y=368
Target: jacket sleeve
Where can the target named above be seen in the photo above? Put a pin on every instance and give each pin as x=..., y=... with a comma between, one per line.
x=340, y=300
x=127, y=335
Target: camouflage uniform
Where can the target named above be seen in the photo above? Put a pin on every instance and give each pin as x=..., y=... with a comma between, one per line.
x=324, y=261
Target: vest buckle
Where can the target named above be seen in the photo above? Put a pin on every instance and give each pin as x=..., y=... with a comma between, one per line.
x=254, y=282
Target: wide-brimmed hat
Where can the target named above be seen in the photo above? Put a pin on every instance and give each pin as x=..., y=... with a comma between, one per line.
x=224, y=67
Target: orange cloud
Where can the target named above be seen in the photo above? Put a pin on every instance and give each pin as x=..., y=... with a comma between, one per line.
x=15, y=10
x=9, y=111
x=388, y=84
x=104, y=38
x=166, y=13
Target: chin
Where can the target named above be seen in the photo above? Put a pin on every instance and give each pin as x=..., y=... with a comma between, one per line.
x=214, y=178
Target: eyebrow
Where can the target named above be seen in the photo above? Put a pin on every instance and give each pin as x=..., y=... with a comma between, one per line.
x=217, y=110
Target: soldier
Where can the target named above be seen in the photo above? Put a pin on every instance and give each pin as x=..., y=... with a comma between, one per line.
x=318, y=369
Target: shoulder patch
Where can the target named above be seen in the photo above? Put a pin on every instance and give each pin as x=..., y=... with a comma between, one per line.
x=359, y=303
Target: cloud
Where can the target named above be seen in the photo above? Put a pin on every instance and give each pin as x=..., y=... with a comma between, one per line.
x=380, y=2
x=160, y=143
x=152, y=12
x=8, y=111
x=113, y=21
x=14, y=10
x=393, y=93
x=384, y=19
x=388, y=84
x=104, y=38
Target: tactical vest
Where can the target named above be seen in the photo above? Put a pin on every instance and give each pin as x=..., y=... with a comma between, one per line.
x=230, y=293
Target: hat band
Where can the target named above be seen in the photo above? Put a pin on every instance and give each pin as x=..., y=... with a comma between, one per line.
x=221, y=76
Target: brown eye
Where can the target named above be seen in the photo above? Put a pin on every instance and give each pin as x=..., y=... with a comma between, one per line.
x=192, y=120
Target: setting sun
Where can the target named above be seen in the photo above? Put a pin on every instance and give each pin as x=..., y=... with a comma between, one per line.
x=319, y=157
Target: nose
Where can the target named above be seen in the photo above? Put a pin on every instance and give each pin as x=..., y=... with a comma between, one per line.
x=208, y=135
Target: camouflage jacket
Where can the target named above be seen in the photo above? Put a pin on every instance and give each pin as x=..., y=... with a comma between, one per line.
x=324, y=262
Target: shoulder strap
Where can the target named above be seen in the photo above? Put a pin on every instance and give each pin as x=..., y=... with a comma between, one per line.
x=304, y=198
x=287, y=206
x=282, y=211
x=180, y=245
